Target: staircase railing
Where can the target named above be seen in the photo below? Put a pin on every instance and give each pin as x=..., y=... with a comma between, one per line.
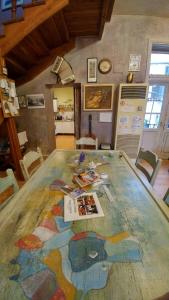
x=14, y=12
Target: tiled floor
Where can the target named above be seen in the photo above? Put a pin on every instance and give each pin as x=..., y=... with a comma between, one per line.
x=65, y=142
x=162, y=181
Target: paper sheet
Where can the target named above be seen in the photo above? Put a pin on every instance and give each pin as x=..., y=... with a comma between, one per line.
x=87, y=206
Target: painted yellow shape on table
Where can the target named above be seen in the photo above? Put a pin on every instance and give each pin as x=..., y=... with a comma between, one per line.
x=54, y=262
x=47, y=215
x=118, y=237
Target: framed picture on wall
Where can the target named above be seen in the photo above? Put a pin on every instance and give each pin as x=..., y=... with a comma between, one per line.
x=98, y=97
x=92, y=70
x=35, y=101
x=22, y=101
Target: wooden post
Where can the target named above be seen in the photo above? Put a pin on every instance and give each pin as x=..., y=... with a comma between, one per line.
x=13, y=10
x=14, y=145
x=12, y=133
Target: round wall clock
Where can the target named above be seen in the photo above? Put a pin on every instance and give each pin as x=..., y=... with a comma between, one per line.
x=104, y=66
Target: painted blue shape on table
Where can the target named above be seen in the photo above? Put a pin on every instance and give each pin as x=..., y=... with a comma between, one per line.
x=124, y=251
x=91, y=234
x=93, y=278
x=57, y=241
x=85, y=252
x=61, y=225
x=128, y=256
x=66, y=265
x=29, y=265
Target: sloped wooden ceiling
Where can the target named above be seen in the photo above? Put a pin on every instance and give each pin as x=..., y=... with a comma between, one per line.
x=56, y=36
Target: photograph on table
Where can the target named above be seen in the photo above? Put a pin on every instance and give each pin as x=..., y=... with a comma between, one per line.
x=98, y=97
x=35, y=101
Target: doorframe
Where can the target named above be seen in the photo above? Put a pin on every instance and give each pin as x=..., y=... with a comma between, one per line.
x=77, y=103
x=150, y=79
x=149, y=51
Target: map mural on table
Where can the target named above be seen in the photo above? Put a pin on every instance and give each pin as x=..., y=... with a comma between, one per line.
x=54, y=263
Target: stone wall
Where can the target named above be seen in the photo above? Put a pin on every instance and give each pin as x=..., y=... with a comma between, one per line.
x=123, y=36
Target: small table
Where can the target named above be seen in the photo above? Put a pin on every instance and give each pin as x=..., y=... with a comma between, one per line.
x=123, y=255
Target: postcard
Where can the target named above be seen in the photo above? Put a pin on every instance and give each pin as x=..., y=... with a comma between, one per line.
x=86, y=178
x=60, y=185
x=86, y=206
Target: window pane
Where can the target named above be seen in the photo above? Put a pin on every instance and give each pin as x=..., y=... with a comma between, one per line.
x=154, y=105
x=154, y=120
x=149, y=106
x=159, y=64
x=156, y=92
x=147, y=120
x=157, y=107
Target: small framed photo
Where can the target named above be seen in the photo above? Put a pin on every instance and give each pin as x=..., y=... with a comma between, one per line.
x=35, y=101
x=92, y=70
x=22, y=101
x=134, y=63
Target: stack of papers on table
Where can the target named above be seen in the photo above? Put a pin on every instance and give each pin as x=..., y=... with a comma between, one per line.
x=86, y=178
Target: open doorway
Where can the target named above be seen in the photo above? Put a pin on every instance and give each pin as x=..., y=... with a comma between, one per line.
x=64, y=117
x=156, y=123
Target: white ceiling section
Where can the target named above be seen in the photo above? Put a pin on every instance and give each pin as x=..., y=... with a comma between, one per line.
x=159, y=8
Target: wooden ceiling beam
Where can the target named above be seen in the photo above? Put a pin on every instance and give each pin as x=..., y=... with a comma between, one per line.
x=46, y=62
x=33, y=17
x=49, y=32
x=65, y=30
x=38, y=42
x=106, y=14
x=15, y=64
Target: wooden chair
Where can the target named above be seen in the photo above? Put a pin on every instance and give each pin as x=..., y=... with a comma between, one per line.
x=31, y=162
x=6, y=183
x=87, y=143
x=149, y=163
x=166, y=197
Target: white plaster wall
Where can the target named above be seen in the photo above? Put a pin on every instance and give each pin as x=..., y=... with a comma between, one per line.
x=123, y=36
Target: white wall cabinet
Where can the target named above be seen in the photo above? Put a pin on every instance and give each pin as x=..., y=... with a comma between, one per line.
x=64, y=127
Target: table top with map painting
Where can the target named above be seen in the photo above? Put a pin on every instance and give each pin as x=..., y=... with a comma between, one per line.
x=120, y=256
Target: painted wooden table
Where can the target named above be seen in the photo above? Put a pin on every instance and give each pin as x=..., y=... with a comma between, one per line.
x=123, y=255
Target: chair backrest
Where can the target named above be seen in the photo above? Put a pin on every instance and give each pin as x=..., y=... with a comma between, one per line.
x=5, y=183
x=30, y=162
x=87, y=141
x=166, y=197
x=152, y=160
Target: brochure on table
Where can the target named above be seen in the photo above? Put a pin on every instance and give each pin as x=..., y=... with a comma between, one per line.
x=86, y=206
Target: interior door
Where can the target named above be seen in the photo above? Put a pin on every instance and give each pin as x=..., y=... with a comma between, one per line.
x=164, y=151
x=155, y=124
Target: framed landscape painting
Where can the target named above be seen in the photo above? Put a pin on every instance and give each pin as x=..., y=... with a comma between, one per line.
x=98, y=96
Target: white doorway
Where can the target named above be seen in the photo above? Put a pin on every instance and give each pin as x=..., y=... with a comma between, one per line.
x=156, y=123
